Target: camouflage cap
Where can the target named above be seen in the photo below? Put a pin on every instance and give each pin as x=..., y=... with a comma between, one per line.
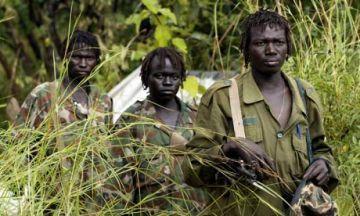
x=310, y=199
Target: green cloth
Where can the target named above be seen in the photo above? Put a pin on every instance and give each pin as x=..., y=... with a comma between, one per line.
x=287, y=147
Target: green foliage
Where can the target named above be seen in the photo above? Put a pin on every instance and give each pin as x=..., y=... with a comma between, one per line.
x=326, y=39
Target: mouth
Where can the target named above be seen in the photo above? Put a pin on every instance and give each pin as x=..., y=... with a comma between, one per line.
x=167, y=92
x=271, y=62
x=83, y=73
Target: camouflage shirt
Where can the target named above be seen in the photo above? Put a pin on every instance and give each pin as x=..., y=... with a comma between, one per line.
x=44, y=97
x=157, y=150
x=79, y=139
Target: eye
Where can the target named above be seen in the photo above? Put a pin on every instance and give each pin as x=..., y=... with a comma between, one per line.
x=280, y=42
x=158, y=76
x=260, y=43
x=90, y=59
x=75, y=58
x=175, y=77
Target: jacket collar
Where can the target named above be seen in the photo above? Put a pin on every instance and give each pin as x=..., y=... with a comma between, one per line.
x=148, y=108
x=252, y=93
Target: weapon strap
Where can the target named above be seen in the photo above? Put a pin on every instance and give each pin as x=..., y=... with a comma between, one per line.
x=236, y=109
x=308, y=138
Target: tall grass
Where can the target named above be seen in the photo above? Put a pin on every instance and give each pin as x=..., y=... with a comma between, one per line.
x=326, y=53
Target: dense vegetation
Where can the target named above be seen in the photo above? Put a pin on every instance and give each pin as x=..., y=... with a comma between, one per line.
x=326, y=38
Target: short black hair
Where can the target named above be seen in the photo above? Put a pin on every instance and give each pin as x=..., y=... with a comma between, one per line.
x=263, y=18
x=81, y=37
x=162, y=53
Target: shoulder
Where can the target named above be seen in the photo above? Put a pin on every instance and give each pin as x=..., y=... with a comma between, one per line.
x=218, y=86
x=189, y=110
x=43, y=88
x=39, y=92
x=310, y=92
x=129, y=114
x=135, y=108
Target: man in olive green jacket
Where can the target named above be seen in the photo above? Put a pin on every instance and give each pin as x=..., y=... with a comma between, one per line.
x=275, y=120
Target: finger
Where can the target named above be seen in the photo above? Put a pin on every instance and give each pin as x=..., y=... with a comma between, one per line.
x=324, y=180
x=308, y=174
x=315, y=172
x=321, y=176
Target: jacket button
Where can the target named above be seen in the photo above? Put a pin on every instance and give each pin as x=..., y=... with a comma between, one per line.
x=280, y=135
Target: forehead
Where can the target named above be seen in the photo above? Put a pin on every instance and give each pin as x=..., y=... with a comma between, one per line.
x=82, y=49
x=166, y=63
x=267, y=32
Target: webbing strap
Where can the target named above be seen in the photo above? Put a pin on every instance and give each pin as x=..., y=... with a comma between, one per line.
x=236, y=109
x=308, y=137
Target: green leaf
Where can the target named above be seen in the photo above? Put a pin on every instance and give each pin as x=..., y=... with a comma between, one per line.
x=137, y=18
x=180, y=44
x=162, y=35
x=202, y=89
x=152, y=5
x=167, y=12
x=191, y=85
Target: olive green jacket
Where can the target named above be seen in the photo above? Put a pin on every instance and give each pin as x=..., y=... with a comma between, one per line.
x=287, y=147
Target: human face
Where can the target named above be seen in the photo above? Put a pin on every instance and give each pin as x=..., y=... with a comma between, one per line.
x=163, y=82
x=81, y=62
x=267, y=49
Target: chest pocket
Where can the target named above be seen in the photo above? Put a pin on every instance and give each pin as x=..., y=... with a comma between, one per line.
x=253, y=130
x=298, y=142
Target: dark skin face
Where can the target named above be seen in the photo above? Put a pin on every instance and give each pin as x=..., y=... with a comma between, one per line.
x=82, y=61
x=267, y=49
x=164, y=83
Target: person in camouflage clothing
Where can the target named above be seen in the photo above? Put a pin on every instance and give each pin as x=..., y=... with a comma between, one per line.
x=152, y=134
x=76, y=98
x=74, y=109
x=275, y=122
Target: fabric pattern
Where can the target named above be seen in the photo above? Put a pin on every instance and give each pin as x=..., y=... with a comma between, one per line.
x=156, y=152
x=79, y=140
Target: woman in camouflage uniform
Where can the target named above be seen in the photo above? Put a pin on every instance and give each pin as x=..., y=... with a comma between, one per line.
x=152, y=134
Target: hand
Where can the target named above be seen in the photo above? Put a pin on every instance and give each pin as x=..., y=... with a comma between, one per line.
x=317, y=172
x=249, y=152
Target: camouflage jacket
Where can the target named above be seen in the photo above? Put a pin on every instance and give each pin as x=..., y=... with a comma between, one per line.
x=156, y=151
x=45, y=97
x=80, y=135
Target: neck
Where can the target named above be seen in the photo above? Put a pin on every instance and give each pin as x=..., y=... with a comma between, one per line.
x=268, y=81
x=72, y=84
x=165, y=104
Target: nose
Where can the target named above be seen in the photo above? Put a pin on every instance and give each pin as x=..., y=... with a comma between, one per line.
x=82, y=62
x=270, y=49
x=167, y=80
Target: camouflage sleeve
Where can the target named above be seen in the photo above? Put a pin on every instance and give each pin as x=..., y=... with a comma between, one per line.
x=317, y=132
x=34, y=109
x=116, y=193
